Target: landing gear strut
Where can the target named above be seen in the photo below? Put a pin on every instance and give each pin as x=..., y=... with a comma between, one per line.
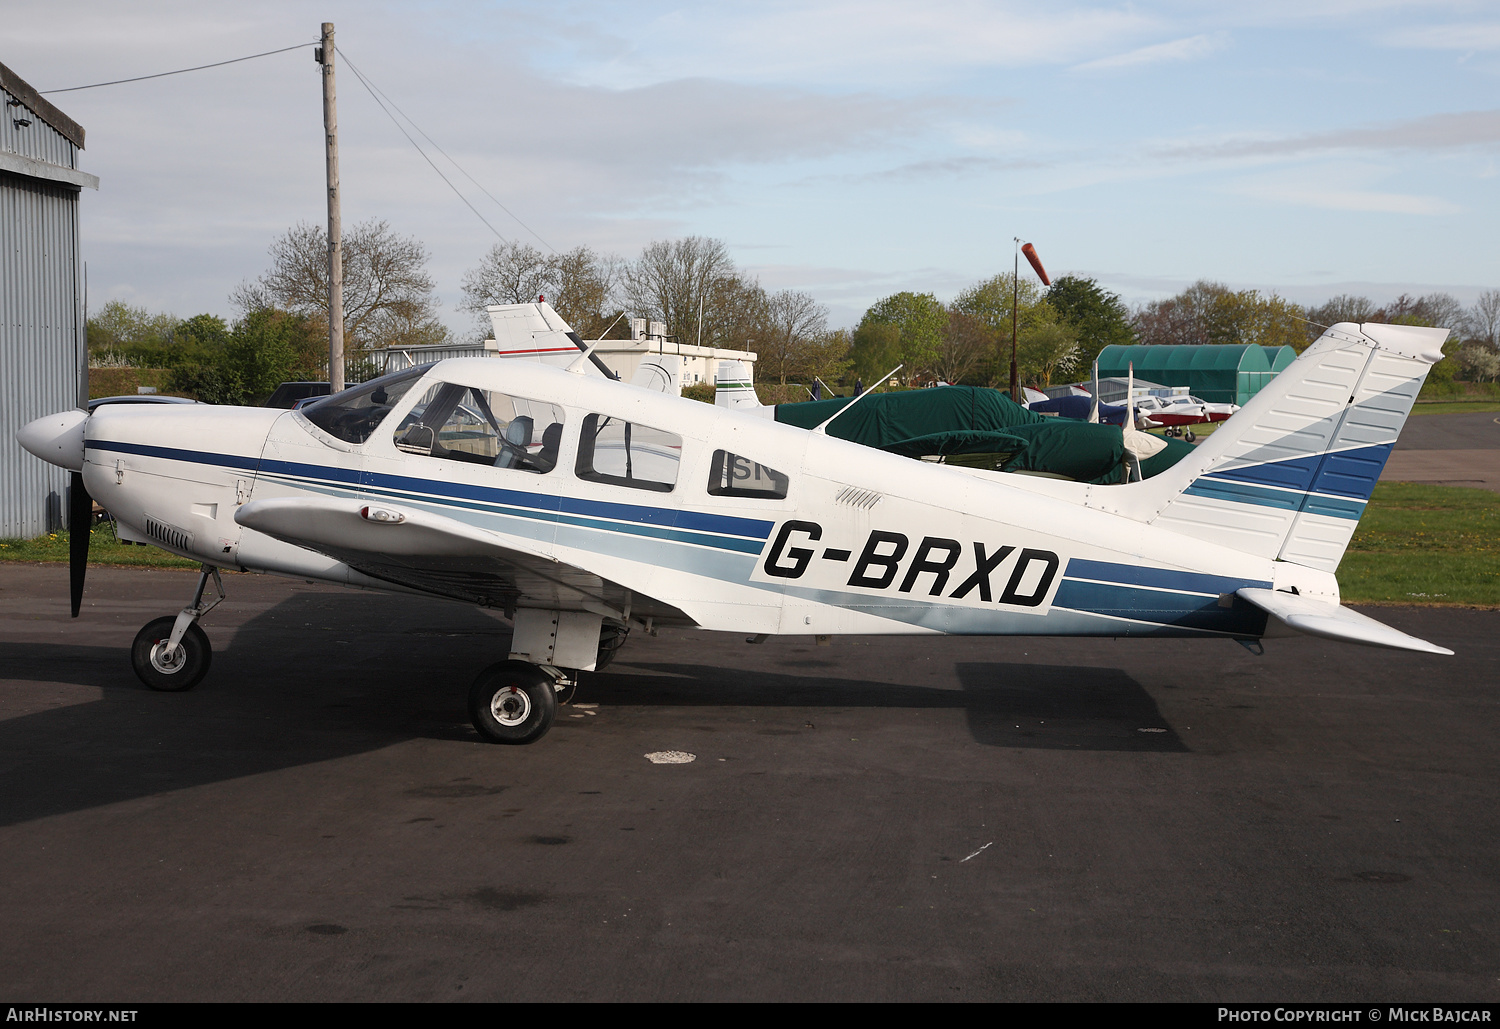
x=173, y=654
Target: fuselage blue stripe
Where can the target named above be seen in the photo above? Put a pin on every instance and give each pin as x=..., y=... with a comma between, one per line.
x=1162, y=608
x=1161, y=578
x=667, y=518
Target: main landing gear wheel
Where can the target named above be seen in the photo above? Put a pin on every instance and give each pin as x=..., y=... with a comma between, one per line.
x=512, y=702
x=175, y=670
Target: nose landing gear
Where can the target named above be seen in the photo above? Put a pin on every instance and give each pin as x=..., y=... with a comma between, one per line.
x=173, y=654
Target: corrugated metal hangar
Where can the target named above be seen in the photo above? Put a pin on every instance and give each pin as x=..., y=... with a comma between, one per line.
x=43, y=339
x=1217, y=373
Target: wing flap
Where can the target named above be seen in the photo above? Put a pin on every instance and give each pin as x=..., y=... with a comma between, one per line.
x=1334, y=621
x=443, y=556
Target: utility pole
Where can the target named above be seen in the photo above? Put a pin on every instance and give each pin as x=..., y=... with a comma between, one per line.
x=1015, y=313
x=335, y=227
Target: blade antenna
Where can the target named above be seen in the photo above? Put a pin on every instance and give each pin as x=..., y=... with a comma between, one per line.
x=822, y=427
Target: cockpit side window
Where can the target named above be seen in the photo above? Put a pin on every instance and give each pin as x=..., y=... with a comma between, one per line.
x=731, y=475
x=464, y=423
x=353, y=414
x=623, y=453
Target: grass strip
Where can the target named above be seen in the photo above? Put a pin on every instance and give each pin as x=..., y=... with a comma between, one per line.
x=1425, y=545
x=104, y=549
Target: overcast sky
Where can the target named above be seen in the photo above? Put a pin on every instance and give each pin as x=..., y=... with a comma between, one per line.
x=850, y=150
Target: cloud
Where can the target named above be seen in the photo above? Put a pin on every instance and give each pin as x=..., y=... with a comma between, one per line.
x=1191, y=48
x=1369, y=201
x=872, y=42
x=1433, y=132
x=1465, y=38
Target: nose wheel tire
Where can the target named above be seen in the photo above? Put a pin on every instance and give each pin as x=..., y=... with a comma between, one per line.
x=175, y=670
x=512, y=702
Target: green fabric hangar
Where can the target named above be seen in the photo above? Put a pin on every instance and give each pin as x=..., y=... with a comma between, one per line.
x=1216, y=373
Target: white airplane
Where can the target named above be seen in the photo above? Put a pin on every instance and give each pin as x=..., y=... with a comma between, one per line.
x=584, y=508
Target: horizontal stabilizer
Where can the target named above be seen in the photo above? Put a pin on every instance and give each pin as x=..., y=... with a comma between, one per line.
x=1333, y=621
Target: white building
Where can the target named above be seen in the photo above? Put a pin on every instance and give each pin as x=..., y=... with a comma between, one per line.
x=525, y=329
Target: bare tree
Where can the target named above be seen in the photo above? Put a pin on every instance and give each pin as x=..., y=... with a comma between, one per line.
x=1484, y=318
x=1342, y=308
x=967, y=345
x=674, y=279
x=792, y=322
x=584, y=291
x=511, y=273
x=385, y=282
x=580, y=284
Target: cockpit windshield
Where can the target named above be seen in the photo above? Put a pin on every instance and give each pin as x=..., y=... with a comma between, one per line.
x=353, y=414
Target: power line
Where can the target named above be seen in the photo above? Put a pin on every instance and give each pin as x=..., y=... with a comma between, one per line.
x=419, y=150
x=378, y=99
x=179, y=71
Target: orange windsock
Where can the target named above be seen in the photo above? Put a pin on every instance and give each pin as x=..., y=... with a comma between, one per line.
x=1036, y=263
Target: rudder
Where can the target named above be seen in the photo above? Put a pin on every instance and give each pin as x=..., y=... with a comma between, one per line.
x=1288, y=476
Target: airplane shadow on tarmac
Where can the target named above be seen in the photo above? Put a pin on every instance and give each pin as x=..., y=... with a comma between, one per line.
x=1048, y=707
x=325, y=675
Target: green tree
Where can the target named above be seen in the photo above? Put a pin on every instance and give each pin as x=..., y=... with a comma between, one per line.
x=920, y=319
x=1099, y=317
x=1045, y=345
x=269, y=347
x=120, y=333
x=826, y=356
x=1248, y=317
x=875, y=348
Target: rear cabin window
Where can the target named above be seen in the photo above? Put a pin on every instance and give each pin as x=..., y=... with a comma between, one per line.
x=464, y=423
x=731, y=475
x=624, y=453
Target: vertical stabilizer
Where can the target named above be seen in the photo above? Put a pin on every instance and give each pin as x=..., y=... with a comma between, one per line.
x=661, y=373
x=1288, y=476
x=735, y=388
x=535, y=332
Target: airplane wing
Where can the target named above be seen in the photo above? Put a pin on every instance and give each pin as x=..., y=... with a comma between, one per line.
x=445, y=557
x=1333, y=621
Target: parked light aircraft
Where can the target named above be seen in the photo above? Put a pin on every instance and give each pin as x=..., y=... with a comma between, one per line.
x=584, y=508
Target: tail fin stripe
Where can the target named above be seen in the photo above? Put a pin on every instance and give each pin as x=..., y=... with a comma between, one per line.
x=1350, y=473
x=1282, y=499
x=1353, y=473
x=1240, y=493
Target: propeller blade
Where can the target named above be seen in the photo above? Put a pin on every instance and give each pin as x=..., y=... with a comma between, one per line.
x=1094, y=400
x=80, y=515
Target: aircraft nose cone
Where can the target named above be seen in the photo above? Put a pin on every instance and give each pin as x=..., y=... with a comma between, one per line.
x=56, y=438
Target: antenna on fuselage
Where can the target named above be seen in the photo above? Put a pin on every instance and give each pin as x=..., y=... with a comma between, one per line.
x=822, y=426
x=578, y=366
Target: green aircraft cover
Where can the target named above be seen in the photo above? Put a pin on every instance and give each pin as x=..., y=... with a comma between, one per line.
x=958, y=420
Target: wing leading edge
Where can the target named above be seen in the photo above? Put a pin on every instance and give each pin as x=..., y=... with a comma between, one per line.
x=445, y=557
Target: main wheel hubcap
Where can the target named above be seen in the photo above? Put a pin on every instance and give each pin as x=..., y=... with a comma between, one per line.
x=165, y=662
x=510, y=706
